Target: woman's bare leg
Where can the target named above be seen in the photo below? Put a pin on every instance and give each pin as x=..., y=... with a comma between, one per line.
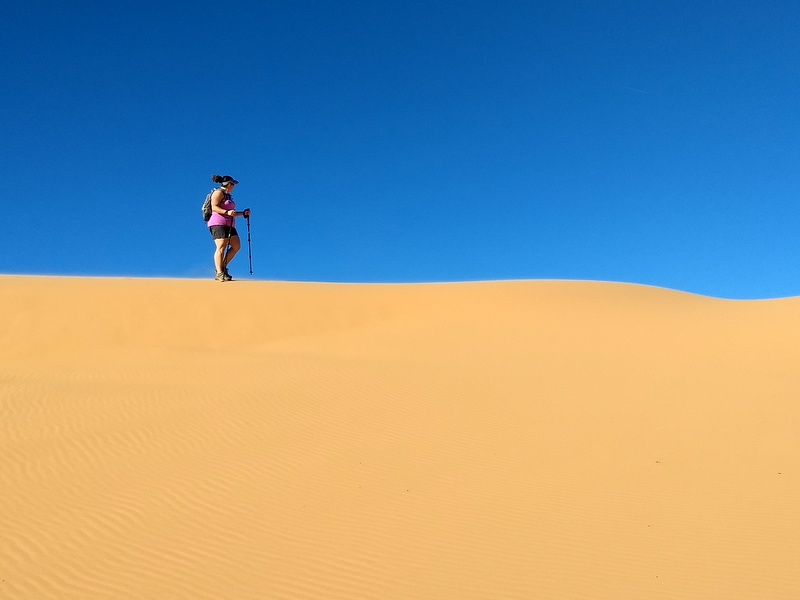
x=221, y=260
x=219, y=252
x=235, y=246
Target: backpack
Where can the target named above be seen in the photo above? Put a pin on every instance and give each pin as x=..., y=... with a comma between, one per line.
x=207, y=206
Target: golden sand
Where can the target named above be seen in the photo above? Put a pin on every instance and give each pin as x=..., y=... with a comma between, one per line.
x=507, y=440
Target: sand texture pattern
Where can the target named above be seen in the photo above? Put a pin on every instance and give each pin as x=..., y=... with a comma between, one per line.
x=506, y=440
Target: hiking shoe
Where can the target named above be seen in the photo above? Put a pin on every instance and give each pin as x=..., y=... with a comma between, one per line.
x=226, y=276
x=220, y=277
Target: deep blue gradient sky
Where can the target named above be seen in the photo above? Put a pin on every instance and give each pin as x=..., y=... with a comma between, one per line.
x=409, y=141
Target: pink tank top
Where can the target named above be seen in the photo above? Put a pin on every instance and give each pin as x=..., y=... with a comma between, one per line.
x=217, y=219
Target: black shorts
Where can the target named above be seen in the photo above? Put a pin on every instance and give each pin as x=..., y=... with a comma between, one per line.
x=219, y=232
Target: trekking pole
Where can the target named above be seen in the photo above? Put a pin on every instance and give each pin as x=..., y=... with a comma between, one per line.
x=249, y=251
x=227, y=245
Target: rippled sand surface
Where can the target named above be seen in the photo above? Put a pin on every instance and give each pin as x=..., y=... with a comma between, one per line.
x=502, y=440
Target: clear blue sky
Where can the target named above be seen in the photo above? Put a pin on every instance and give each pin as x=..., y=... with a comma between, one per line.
x=409, y=141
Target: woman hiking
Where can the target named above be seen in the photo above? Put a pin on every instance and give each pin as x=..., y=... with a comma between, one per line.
x=221, y=225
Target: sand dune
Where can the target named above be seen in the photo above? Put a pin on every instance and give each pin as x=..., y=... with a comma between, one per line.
x=514, y=440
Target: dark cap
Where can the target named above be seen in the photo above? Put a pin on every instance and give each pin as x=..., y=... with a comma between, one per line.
x=228, y=179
